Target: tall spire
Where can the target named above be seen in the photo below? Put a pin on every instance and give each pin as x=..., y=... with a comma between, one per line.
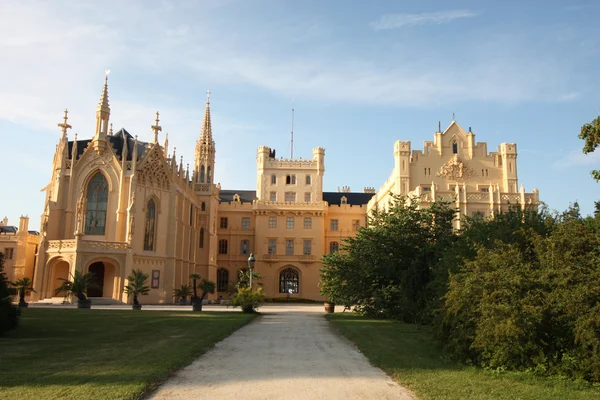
x=65, y=125
x=103, y=112
x=206, y=133
x=156, y=128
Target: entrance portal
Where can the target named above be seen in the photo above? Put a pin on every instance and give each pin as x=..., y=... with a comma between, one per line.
x=97, y=270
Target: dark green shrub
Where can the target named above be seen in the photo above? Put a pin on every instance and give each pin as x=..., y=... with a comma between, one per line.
x=9, y=314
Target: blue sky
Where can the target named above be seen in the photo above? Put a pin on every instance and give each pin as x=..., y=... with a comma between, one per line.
x=362, y=76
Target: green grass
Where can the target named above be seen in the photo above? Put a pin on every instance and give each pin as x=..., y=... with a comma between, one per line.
x=413, y=358
x=103, y=354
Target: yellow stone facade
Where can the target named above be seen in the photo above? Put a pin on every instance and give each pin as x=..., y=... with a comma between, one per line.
x=20, y=248
x=115, y=203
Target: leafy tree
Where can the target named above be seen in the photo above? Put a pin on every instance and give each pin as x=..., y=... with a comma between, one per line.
x=248, y=300
x=137, y=285
x=590, y=133
x=9, y=314
x=195, y=278
x=207, y=287
x=183, y=292
x=244, y=279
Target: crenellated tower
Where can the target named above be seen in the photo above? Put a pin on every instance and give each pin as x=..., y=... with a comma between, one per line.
x=204, y=159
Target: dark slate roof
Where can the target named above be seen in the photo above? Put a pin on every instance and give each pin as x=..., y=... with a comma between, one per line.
x=333, y=198
x=117, y=141
x=33, y=233
x=354, y=199
x=8, y=229
x=246, y=196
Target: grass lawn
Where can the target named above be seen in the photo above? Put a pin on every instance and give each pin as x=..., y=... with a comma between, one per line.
x=413, y=358
x=104, y=354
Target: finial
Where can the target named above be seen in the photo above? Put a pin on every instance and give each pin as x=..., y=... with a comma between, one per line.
x=470, y=130
x=110, y=131
x=208, y=97
x=439, y=126
x=174, y=151
x=156, y=128
x=65, y=125
x=453, y=119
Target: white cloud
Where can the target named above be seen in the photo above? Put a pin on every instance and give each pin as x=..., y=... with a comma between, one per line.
x=577, y=158
x=395, y=21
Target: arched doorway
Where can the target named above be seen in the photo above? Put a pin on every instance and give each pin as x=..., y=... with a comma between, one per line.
x=104, y=277
x=60, y=271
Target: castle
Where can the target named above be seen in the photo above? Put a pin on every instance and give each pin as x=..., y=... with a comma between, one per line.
x=115, y=203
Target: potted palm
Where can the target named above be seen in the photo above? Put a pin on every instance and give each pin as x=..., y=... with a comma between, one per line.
x=137, y=286
x=196, y=303
x=183, y=292
x=22, y=285
x=207, y=287
x=78, y=286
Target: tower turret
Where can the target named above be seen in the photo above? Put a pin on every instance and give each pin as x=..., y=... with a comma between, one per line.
x=204, y=158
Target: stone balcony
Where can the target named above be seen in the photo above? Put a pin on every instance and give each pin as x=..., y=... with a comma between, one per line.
x=93, y=246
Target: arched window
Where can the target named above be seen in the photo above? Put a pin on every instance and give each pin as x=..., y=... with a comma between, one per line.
x=334, y=247
x=202, y=174
x=273, y=180
x=455, y=148
x=201, y=238
x=208, y=175
x=222, y=280
x=97, y=203
x=288, y=279
x=150, y=225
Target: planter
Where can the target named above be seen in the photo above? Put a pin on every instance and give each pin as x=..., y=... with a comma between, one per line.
x=136, y=307
x=23, y=304
x=329, y=307
x=197, y=307
x=84, y=303
x=182, y=302
x=248, y=309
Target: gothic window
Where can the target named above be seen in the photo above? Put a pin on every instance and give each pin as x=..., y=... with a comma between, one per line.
x=222, y=279
x=223, y=246
x=203, y=206
x=201, y=238
x=97, y=203
x=334, y=247
x=149, y=230
x=202, y=174
x=289, y=280
x=273, y=180
x=245, y=246
x=208, y=174
x=308, y=179
x=454, y=148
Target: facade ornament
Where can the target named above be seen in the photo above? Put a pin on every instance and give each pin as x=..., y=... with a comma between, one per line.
x=455, y=169
x=65, y=125
x=80, y=206
x=156, y=128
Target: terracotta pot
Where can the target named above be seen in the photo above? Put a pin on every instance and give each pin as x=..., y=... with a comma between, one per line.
x=329, y=307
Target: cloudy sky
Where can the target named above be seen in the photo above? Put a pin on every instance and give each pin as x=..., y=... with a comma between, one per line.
x=361, y=76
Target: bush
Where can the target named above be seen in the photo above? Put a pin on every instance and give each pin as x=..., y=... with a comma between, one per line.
x=248, y=299
x=9, y=314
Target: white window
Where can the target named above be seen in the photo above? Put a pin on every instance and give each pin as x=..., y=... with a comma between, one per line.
x=307, y=197
x=290, y=197
x=289, y=223
x=289, y=247
x=273, y=196
x=272, y=221
x=307, y=223
x=245, y=222
x=272, y=246
x=307, y=247
x=334, y=224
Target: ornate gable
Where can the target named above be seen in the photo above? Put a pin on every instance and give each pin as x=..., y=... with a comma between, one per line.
x=153, y=170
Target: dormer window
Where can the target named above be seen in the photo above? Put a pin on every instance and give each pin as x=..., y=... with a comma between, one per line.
x=236, y=198
x=344, y=200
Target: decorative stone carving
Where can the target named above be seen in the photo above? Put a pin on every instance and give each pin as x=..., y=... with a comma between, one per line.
x=154, y=171
x=455, y=169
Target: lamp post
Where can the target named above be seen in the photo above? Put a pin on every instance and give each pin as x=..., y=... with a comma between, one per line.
x=251, y=261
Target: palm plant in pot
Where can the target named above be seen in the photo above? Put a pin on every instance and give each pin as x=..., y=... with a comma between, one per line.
x=183, y=292
x=22, y=285
x=137, y=286
x=207, y=287
x=78, y=286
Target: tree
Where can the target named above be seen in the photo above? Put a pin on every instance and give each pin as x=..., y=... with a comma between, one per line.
x=9, y=314
x=590, y=132
x=78, y=285
x=195, y=278
x=137, y=285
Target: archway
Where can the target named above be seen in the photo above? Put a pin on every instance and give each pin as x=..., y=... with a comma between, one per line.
x=60, y=271
x=104, y=277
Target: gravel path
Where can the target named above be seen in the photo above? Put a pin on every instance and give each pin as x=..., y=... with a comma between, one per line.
x=287, y=353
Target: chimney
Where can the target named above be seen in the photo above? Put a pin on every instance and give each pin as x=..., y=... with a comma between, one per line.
x=23, y=223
